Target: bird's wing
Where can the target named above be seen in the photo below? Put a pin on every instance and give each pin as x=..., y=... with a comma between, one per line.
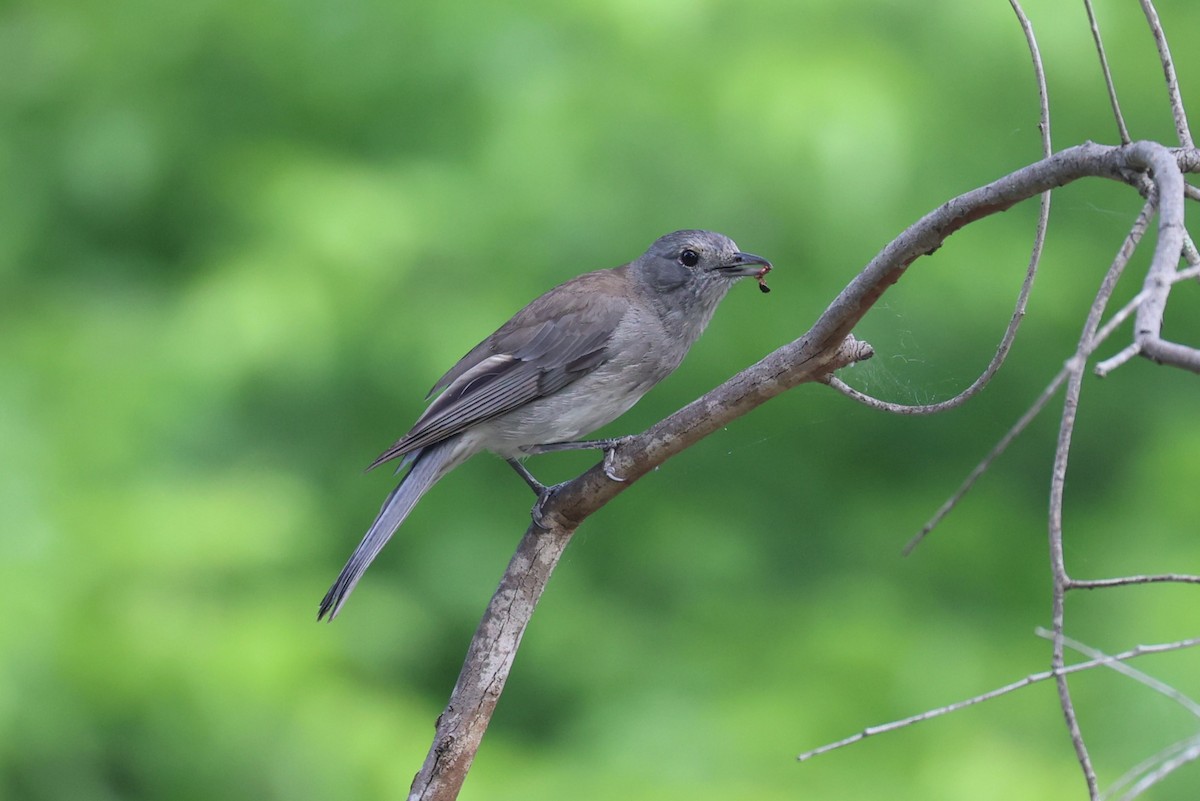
x=557, y=339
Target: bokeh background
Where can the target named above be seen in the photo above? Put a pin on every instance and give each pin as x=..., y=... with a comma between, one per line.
x=238, y=242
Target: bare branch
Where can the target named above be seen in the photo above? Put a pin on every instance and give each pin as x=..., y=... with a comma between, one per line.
x=1122, y=131
x=1124, y=254
x=1173, y=759
x=1143, y=767
x=826, y=347
x=461, y=726
x=1015, y=431
x=1039, y=74
x=1164, y=55
x=1033, y=678
x=1039, y=241
x=1125, y=354
x=1127, y=581
x=1075, y=369
x=1167, y=252
x=1161, y=181
x=1125, y=670
x=1168, y=191
x=1108, y=365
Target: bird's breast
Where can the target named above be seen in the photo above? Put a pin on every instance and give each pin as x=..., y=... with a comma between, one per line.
x=640, y=353
x=573, y=412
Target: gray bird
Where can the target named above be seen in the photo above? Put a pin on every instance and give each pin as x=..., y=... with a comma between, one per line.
x=571, y=361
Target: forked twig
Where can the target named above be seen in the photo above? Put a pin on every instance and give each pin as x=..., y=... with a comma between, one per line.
x=1168, y=180
x=1137, y=230
x=1033, y=678
x=1113, y=362
x=1125, y=670
x=1168, y=760
x=1161, y=181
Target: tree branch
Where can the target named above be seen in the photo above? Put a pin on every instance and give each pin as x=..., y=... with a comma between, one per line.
x=1167, y=253
x=461, y=725
x=826, y=347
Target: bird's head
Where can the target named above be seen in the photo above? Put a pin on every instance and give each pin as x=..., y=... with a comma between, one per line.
x=699, y=259
x=684, y=275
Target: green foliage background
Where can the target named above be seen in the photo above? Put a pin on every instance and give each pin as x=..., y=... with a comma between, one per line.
x=238, y=241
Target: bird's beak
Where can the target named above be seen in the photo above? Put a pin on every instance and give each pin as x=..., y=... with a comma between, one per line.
x=746, y=264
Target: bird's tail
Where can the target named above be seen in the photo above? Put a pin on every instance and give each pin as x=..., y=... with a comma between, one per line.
x=428, y=465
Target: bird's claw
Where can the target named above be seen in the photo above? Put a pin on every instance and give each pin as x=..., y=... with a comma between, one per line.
x=538, y=512
x=609, y=470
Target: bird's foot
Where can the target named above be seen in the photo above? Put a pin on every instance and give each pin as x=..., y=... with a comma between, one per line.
x=537, y=513
x=543, y=493
x=609, y=446
x=609, y=470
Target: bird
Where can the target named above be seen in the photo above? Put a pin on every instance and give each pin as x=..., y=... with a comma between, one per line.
x=573, y=360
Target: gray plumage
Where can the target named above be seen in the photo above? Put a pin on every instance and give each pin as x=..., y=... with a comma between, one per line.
x=571, y=361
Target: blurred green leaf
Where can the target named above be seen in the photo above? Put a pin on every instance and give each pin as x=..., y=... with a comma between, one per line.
x=238, y=242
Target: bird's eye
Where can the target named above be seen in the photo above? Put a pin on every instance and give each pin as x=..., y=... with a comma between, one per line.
x=689, y=258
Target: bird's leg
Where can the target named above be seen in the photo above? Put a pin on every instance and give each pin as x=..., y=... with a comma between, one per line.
x=538, y=487
x=579, y=445
x=543, y=492
x=609, y=446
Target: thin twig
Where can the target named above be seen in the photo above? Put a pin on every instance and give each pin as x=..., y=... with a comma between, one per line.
x=1168, y=760
x=1035, y=257
x=1075, y=370
x=1000, y=447
x=1125, y=670
x=1039, y=74
x=1143, y=768
x=1137, y=230
x=1122, y=131
x=1188, y=751
x=1164, y=55
x=1059, y=571
x=1128, y=581
x=1125, y=354
x=1108, y=365
x=1164, y=175
x=1033, y=678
